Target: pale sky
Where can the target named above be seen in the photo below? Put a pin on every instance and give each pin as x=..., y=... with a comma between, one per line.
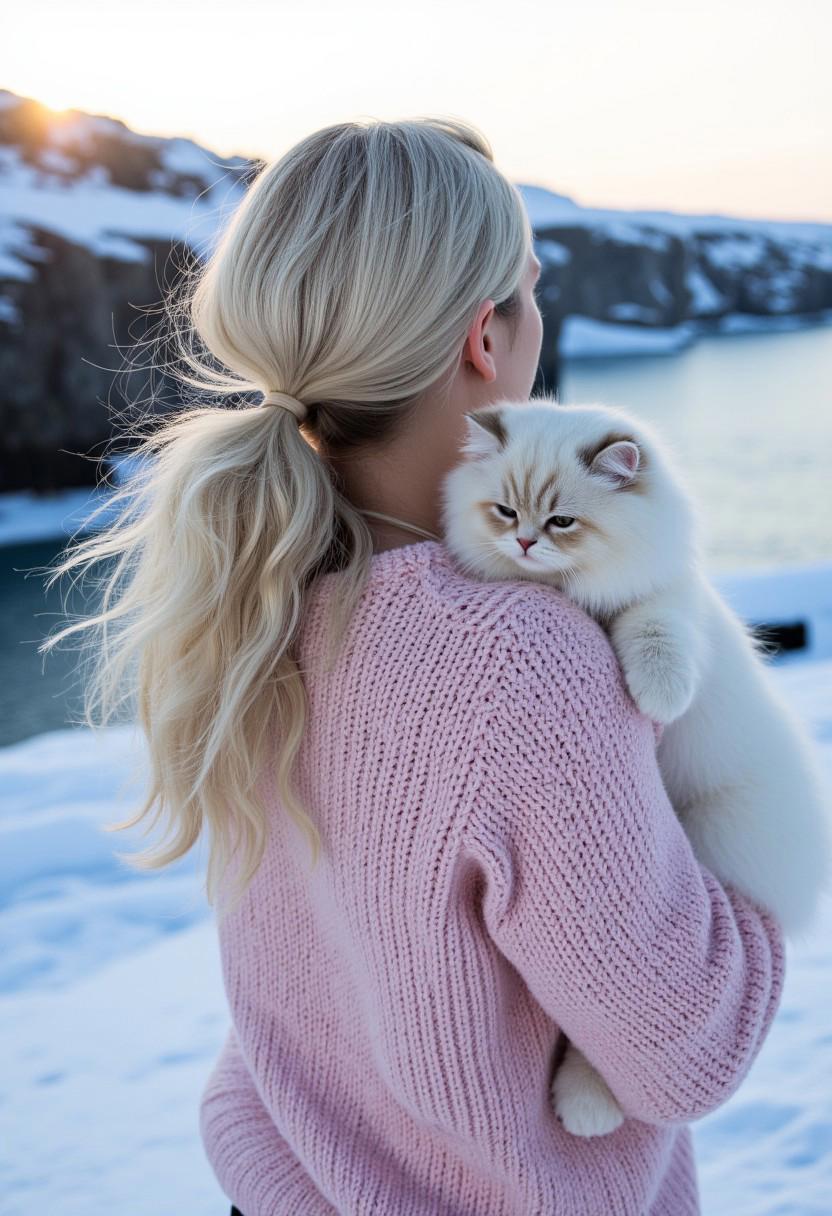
x=718, y=106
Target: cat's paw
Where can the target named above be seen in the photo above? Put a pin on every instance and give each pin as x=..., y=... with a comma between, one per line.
x=661, y=679
x=582, y=1099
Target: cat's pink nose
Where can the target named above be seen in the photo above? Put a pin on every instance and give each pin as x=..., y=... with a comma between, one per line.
x=525, y=543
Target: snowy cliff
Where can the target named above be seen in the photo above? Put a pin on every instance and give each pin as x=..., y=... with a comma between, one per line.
x=97, y=221
x=660, y=277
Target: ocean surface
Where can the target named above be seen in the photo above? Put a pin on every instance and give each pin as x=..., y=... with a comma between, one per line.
x=747, y=415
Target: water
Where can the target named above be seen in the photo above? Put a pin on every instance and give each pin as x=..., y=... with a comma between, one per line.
x=749, y=417
x=38, y=692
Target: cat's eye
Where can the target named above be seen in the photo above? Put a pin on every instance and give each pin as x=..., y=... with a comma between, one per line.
x=509, y=512
x=562, y=521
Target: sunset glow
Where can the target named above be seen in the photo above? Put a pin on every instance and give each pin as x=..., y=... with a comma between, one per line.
x=722, y=108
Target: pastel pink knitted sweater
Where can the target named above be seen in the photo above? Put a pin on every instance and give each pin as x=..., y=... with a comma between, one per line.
x=501, y=864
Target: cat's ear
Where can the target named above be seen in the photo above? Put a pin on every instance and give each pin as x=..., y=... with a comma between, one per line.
x=618, y=461
x=485, y=433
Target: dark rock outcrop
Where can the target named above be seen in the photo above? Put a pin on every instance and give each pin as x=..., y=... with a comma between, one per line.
x=661, y=271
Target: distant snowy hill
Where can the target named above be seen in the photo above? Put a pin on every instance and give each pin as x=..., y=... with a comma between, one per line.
x=96, y=222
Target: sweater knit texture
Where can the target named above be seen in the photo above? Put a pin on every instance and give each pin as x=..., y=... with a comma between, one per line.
x=501, y=867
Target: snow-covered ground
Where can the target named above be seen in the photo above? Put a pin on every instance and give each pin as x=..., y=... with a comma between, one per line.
x=27, y=516
x=586, y=338
x=112, y=1009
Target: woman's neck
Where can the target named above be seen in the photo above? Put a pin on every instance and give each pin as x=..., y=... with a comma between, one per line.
x=389, y=534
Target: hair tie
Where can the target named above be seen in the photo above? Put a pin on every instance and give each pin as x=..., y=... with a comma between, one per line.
x=274, y=396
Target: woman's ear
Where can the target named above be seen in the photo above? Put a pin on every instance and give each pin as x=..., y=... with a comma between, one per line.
x=485, y=433
x=619, y=462
x=478, y=343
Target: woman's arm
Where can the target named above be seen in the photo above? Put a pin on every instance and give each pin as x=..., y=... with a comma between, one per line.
x=665, y=979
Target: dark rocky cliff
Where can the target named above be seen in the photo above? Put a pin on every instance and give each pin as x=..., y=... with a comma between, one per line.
x=98, y=222
x=659, y=270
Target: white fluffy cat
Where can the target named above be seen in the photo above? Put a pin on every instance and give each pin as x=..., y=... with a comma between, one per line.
x=586, y=499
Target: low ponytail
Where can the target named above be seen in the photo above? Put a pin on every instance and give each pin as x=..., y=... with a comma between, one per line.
x=348, y=276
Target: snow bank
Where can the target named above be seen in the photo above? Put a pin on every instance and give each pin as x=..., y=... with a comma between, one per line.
x=586, y=338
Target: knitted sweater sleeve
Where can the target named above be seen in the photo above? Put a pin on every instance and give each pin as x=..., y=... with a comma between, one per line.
x=665, y=979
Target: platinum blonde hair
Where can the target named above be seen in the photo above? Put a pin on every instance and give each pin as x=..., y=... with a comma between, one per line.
x=347, y=278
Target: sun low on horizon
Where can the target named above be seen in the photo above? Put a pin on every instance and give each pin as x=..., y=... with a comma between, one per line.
x=724, y=109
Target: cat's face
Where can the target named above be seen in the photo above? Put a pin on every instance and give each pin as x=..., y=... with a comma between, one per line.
x=575, y=495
